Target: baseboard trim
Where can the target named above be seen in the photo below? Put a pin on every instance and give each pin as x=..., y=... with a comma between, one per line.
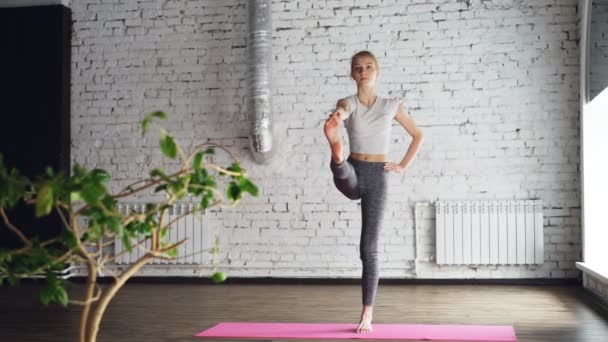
x=343, y=281
x=594, y=271
x=596, y=298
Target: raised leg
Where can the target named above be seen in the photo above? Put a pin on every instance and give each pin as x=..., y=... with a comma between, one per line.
x=345, y=179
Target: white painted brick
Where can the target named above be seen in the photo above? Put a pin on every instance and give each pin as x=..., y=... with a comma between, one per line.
x=471, y=76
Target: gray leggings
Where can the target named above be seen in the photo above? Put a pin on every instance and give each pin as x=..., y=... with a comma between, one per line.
x=367, y=181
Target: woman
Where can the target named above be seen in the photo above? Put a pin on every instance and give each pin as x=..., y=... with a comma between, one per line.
x=368, y=120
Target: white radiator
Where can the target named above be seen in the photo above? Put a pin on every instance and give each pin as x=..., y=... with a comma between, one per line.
x=489, y=232
x=190, y=226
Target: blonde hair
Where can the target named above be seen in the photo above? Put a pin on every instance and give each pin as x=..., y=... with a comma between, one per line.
x=363, y=53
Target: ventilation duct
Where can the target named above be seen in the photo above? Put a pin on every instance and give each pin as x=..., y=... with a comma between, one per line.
x=259, y=57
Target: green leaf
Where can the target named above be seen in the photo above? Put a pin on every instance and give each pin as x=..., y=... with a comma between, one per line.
x=148, y=118
x=206, y=199
x=198, y=158
x=144, y=125
x=91, y=192
x=54, y=290
x=146, y=227
x=4, y=256
x=94, y=231
x=233, y=192
x=109, y=202
x=160, y=188
x=75, y=196
x=246, y=185
x=172, y=252
x=101, y=176
x=49, y=171
x=68, y=238
x=46, y=295
x=160, y=115
x=202, y=177
x=78, y=169
x=44, y=201
x=168, y=146
x=12, y=280
x=160, y=173
x=234, y=167
x=151, y=206
x=126, y=242
x=218, y=277
x=61, y=296
x=12, y=187
x=115, y=225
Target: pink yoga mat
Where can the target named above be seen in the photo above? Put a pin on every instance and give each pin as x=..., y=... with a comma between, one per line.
x=348, y=331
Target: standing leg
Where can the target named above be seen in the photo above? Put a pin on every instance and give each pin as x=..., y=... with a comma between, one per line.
x=373, y=205
x=372, y=209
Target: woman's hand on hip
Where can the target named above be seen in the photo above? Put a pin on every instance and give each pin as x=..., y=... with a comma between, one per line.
x=393, y=167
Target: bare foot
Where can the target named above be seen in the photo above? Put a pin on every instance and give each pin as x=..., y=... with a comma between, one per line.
x=366, y=320
x=332, y=132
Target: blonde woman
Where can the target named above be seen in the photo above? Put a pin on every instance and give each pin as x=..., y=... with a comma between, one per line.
x=368, y=120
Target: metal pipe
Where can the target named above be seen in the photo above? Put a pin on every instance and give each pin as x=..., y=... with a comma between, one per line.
x=259, y=57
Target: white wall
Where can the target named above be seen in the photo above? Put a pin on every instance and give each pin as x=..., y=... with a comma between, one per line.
x=493, y=85
x=594, y=145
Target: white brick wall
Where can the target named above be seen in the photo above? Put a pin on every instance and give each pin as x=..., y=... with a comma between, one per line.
x=493, y=85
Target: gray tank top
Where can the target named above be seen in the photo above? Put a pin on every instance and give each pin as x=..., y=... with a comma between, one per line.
x=369, y=129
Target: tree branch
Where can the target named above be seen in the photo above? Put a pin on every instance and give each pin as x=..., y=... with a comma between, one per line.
x=14, y=229
x=88, y=301
x=209, y=144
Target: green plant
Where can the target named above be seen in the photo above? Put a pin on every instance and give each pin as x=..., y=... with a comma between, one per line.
x=84, y=194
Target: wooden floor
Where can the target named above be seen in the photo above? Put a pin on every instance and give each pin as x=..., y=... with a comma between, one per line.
x=176, y=312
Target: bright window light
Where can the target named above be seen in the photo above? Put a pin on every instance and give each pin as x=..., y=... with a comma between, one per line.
x=595, y=182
